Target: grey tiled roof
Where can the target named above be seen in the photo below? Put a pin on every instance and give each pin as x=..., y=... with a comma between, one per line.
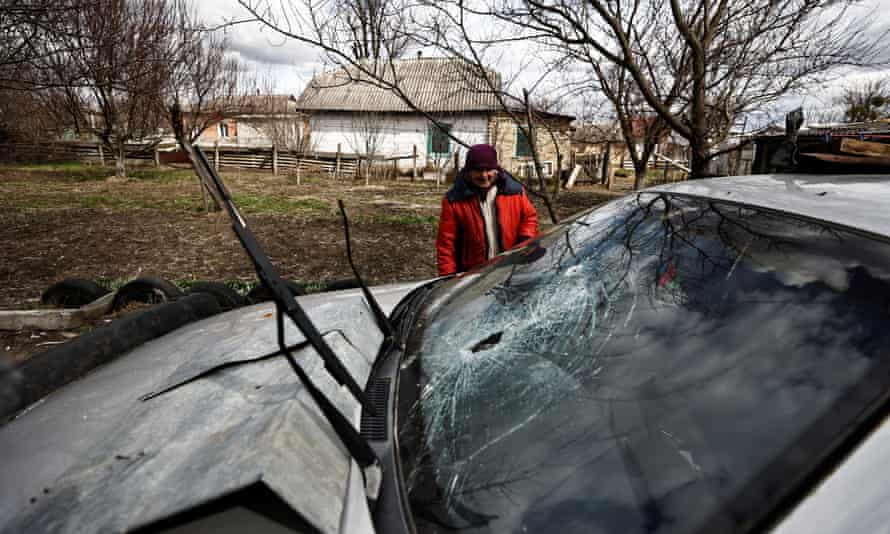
x=250, y=104
x=433, y=84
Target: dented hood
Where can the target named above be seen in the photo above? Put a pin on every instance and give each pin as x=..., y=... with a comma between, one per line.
x=94, y=457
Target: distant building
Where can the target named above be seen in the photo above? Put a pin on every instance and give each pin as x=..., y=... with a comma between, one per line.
x=604, y=153
x=254, y=120
x=348, y=111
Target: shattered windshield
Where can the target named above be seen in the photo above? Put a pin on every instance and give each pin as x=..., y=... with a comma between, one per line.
x=660, y=364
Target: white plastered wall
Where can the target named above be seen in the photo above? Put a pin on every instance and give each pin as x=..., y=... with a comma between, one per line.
x=397, y=133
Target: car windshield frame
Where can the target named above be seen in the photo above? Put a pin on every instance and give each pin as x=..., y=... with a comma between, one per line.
x=790, y=472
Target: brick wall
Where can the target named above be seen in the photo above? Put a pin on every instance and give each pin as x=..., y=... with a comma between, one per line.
x=502, y=134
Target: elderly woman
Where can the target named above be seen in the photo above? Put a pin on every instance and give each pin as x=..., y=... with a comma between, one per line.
x=484, y=213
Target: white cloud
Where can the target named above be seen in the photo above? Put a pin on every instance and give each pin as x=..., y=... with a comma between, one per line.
x=288, y=63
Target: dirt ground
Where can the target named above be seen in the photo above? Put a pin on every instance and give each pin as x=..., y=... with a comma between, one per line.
x=62, y=221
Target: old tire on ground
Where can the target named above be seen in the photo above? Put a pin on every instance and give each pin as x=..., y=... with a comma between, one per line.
x=227, y=297
x=43, y=373
x=72, y=293
x=149, y=289
x=259, y=293
x=337, y=285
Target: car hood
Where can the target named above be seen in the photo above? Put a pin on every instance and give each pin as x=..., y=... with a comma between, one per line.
x=92, y=456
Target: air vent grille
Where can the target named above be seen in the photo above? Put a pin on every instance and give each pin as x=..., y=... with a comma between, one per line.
x=374, y=426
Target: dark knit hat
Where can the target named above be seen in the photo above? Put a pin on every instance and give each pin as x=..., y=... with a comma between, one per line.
x=482, y=157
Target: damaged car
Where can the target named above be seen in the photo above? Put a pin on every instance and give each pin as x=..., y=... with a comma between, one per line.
x=693, y=358
x=708, y=356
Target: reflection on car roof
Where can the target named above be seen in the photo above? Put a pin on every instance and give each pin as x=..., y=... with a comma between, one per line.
x=857, y=201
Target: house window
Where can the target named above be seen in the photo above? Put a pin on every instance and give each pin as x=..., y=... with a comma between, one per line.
x=523, y=147
x=438, y=141
x=222, y=129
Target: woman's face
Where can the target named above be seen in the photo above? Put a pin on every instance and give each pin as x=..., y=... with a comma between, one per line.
x=483, y=178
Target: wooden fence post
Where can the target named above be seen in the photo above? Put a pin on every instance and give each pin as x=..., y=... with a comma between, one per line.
x=101, y=155
x=414, y=165
x=298, y=168
x=216, y=156
x=607, y=166
x=337, y=165
x=274, y=159
x=157, y=157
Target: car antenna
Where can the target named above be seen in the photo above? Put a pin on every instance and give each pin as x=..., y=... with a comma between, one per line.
x=286, y=304
x=380, y=317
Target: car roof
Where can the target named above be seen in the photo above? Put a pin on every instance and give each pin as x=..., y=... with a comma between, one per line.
x=855, y=201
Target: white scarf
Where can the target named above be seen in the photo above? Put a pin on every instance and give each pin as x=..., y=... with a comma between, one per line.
x=491, y=223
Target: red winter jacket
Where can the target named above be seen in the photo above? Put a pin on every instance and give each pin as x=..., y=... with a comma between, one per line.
x=461, y=243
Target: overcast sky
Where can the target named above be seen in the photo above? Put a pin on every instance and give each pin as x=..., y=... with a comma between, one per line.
x=288, y=65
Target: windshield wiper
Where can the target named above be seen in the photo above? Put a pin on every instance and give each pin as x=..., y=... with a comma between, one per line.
x=382, y=321
x=286, y=305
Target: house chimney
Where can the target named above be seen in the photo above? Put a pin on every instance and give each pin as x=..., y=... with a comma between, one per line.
x=419, y=54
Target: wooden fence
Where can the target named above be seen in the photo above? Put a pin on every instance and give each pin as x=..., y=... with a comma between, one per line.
x=263, y=158
x=268, y=158
x=656, y=163
x=70, y=151
x=618, y=172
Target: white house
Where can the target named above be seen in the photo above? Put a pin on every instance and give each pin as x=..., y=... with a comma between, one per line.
x=351, y=113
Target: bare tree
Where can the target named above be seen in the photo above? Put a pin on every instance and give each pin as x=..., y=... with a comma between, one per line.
x=866, y=101
x=24, y=116
x=432, y=24
x=25, y=29
x=361, y=39
x=371, y=28
x=322, y=25
x=277, y=118
x=204, y=84
x=730, y=57
x=114, y=69
x=286, y=127
x=367, y=141
x=641, y=128
x=109, y=62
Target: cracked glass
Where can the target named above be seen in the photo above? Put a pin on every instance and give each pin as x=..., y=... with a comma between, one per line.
x=659, y=364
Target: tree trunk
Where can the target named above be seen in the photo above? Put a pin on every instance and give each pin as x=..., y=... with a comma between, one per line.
x=337, y=164
x=298, y=169
x=274, y=159
x=203, y=195
x=639, y=175
x=121, y=161
x=557, y=176
x=607, y=165
x=698, y=164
